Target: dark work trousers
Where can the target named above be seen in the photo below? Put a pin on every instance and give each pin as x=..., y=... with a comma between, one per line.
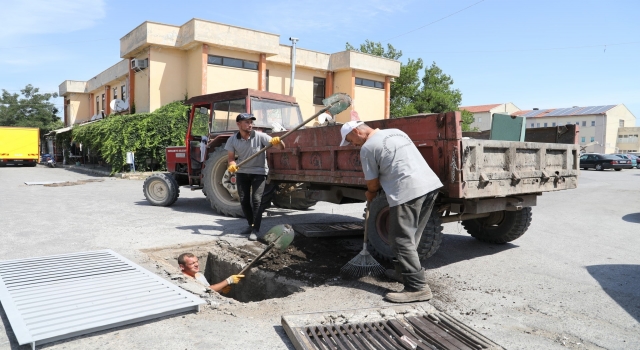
x=406, y=223
x=250, y=189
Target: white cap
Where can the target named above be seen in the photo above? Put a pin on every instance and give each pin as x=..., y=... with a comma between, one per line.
x=347, y=128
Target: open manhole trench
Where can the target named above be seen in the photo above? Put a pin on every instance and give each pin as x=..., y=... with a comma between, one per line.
x=307, y=262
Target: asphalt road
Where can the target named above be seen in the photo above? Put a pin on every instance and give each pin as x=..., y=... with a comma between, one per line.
x=573, y=280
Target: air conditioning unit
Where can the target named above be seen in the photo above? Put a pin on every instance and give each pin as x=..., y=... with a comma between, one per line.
x=138, y=64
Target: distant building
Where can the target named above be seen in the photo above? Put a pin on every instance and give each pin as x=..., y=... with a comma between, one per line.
x=482, y=114
x=599, y=125
x=163, y=63
x=628, y=140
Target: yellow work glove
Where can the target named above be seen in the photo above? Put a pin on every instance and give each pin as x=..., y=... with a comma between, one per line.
x=225, y=290
x=233, y=279
x=275, y=141
x=233, y=168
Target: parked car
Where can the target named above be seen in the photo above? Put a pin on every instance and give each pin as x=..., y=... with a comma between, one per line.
x=635, y=160
x=604, y=161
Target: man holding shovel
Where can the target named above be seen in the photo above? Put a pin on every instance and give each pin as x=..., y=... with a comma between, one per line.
x=391, y=162
x=252, y=176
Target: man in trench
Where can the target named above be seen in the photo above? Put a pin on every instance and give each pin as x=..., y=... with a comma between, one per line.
x=251, y=178
x=391, y=162
x=189, y=266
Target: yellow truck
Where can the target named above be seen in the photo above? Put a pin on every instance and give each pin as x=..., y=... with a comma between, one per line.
x=19, y=146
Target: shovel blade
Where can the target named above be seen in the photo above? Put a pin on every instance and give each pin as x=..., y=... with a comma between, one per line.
x=340, y=102
x=280, y=236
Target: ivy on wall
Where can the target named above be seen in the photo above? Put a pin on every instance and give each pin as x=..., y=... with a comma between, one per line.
x=145, y=134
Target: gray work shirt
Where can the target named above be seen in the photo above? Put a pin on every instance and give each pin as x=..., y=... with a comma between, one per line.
x=245, y=148
x=391, y=156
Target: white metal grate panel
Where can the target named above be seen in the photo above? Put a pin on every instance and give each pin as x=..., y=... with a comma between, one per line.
x=61, y=296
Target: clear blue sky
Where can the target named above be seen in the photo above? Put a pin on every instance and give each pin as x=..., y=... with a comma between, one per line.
x=543, y=53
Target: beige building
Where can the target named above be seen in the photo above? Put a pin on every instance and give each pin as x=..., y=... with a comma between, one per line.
x=162, y=63
x=628, y=140
x=482, y=114
x=599, y=125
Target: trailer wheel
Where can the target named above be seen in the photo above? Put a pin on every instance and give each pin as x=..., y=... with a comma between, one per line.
x=500, y=227
x=283, y=198
x=161, y=190
x=220, y=185
x=378, y=231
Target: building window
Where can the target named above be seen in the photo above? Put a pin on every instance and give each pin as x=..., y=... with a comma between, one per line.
x=532, y=125
x=97, y=104
x=621, y=123
x=479, y=120
x=593, y=138
x=584, y=123
x=318, y=90
x=370, y=83
x=103, y=99
x=553, y=124
x=593, y=123
x=115, y=93
x=545, y=125
x=537, y=125
x=583, y=138
x=577, y=123
x=232, y=62
x=123, y=92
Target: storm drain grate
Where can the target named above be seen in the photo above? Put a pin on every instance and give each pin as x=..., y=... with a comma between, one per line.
x=329, y=230
x=57, y=297
x=412, y=330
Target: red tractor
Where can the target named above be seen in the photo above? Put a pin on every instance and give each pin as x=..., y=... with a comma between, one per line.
x=202, y=164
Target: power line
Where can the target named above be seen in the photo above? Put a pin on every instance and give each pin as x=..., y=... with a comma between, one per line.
x=436, y=21
x=526, y=50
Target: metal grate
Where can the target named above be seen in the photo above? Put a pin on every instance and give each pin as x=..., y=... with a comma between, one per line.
x=408, y=326
x=330, y=230
x=61, y=296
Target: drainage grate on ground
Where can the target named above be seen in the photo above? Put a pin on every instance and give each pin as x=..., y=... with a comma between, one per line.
x=85, y=292
x=413, y=326
x=330, y=230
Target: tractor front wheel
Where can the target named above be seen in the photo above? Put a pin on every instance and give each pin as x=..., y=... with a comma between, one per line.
x=161, y=189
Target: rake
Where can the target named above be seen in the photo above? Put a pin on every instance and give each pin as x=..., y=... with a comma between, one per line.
x=363, y=264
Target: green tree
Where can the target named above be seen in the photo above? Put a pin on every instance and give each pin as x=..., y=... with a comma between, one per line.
x=437, y=95
x=467, y=119
x=410, y=94
x=376, y=49
x=30, y=108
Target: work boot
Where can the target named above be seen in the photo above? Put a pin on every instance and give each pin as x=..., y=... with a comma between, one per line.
x=409, y=296
x=254, y=235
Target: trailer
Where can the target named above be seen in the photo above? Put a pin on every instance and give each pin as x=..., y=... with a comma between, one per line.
x=490, y=186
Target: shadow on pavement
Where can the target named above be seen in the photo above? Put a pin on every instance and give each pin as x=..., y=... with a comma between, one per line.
x=456, y=248
x=198, y=229
x=634, y=217
x=187, y=205
x=621, y=283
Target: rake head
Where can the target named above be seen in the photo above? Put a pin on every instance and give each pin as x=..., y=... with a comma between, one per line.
x=361, y=265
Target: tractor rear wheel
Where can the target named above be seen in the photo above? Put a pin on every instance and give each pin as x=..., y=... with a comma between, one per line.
x=220, y=185
x=378, y=231
x=161, y=189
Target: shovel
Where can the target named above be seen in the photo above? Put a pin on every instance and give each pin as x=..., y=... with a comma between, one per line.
x=335, y=104
x=279, y=236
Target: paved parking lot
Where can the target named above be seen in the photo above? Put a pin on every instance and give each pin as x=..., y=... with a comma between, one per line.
x=573, y=280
